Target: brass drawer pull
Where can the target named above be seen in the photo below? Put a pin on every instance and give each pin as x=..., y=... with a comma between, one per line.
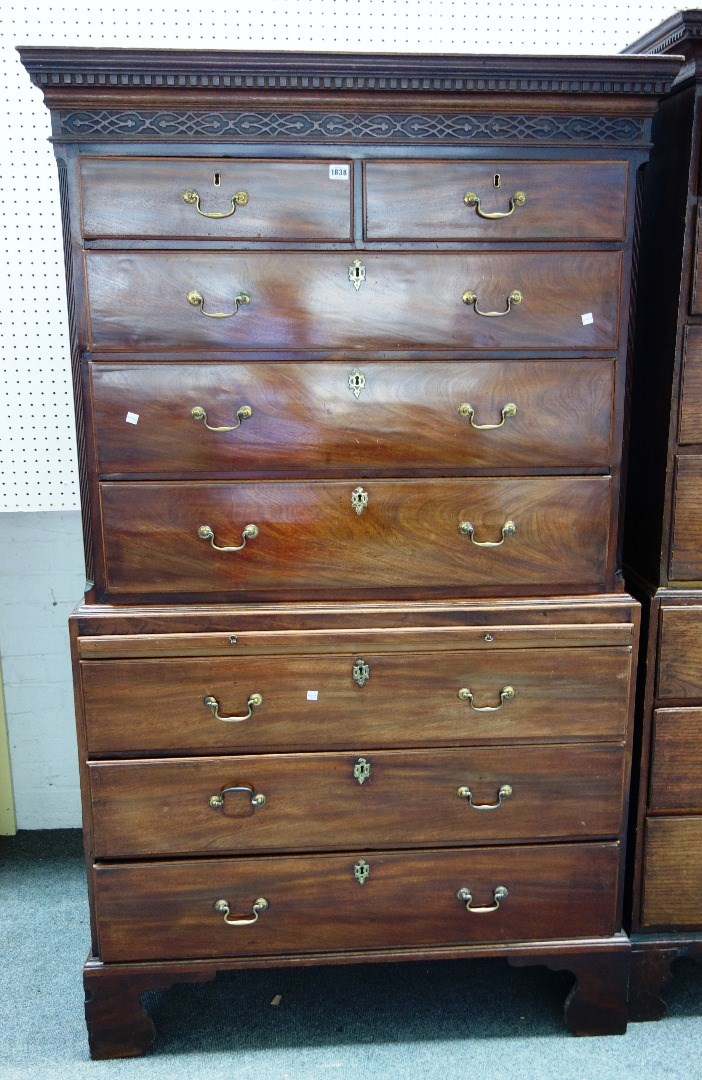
x=240, y=198
x=471, y=199
x=466, y=897
x=242, y=413
x=466, y=529
x=504, y=793
x=217, y=801
x=466, y=409
x=470, y=298
x=250, y=533
x=258, y=907
x=253, y=703
x=506, y=694
x=197, y=300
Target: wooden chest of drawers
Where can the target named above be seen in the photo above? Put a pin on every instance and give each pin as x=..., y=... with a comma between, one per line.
x=662, y=542
x=354, y=677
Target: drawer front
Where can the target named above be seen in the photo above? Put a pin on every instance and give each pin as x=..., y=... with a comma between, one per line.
x=312, y=539
x=371, y=799
x=373, y=699
x=672, y=882
x=680, y=653
x=153, y=911
x=410, y=300
x=690, y=430
x=686, y=549
x=425, y=200
x=676, y=768
x=282, y=200
x=334, y=418
x=696, y=292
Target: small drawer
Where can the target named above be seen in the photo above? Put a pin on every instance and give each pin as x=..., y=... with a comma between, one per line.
x=227, y=199
x=385, y=699
x=696, y=290
x=690, y=429
x=347, y=539
x=686, y=549
x=366, y=798
x=316, y=904
x=676, y=767
x=176, y=420
x=680, y=653
x=672, y=883
x=287, y=302
x=506, y=200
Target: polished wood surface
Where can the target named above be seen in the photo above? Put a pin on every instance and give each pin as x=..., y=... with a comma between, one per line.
x=152, y=706
x=312, y=541
x=672, y=888
x=165, y=909
x=423, y=200
x=680, y=657
x=686, y=545
x=143, y=197
x=306, y=419
x=696, y=291
x=676, y=768
x=315, y=803
x=690, y=430
x=409, y=300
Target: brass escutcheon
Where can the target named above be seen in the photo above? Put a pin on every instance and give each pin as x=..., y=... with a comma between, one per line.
x=359, y=499
x=361, y=770
x=357, y=274
x=361, y=871
x=361, y=672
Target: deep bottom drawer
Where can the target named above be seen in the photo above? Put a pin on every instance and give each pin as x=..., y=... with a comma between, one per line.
x=672, y=891
x=317, y=904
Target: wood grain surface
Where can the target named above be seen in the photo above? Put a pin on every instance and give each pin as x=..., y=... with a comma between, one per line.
x=423, y=200
x=165, y=910
x=680, y=656
x=690, y=426
x=672, y=884
x=306, y=419
x=143, y=197
x=676, y=766
x=409, y=300
x=686, y=543
x=311, y=540
x=408, y=699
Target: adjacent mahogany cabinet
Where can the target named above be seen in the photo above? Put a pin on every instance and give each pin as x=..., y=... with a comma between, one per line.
x=354, y=676
x=663, y=546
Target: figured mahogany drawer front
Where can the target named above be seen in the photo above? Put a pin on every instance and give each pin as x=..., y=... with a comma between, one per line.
x=352, y=539
x=686, y=545
x=317, y=802
x=408, y=300
x=672, y=882
x=538, y=200
x=690, y=429
x=696, y=291
x=676, y=767
x=315, y=903
x=336, y=418
x=332, y=702
x=252, y=199
x=680, y=653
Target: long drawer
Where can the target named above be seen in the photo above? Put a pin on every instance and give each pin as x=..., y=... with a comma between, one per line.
x=537, y=200
x=371, y=699
x=316, y=904
x=263, y=199
x=334, y=418
x=672, y=886
x=318, y=802
x=288, y=302
x=392, y=535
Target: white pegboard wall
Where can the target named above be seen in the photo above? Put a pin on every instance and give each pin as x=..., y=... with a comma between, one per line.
x=37, y=442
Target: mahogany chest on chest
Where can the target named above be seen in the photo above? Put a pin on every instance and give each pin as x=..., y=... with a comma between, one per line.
x=354, y=678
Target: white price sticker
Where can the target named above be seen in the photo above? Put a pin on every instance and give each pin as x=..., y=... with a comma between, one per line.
x=587, y=318
x=339, y=172
x=312, y=695
x=132, y=418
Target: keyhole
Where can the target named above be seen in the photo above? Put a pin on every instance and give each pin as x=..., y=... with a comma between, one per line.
x=497, y=179
x=217, y=179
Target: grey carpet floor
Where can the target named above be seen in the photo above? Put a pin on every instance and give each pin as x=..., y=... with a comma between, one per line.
x=479, y=1019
